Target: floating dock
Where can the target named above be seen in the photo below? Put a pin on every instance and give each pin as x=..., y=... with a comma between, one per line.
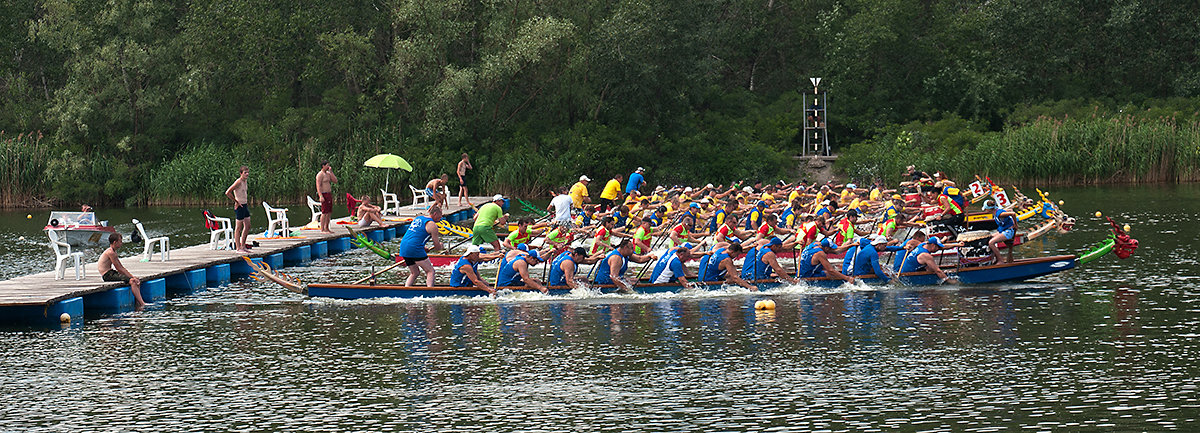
x=40, y=300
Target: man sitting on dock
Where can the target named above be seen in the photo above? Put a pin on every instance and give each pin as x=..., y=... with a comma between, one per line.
x=111, y=269
x=368, y=213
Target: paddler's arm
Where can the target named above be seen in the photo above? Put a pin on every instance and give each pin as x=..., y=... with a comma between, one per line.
x=832, y=271
x=782, y=273
x=432, y=228
x=642, y=258
x=478, y=282
x=931, y=264
x=732, y=275
x=568, y=268
x=523, y=269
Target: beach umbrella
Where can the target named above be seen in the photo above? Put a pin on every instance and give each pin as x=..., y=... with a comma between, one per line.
x=390, y=162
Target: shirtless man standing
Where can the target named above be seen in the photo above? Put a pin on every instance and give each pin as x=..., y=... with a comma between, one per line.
x=325, y=178
x=463, y=166
x=241, y=209
x=111, y=269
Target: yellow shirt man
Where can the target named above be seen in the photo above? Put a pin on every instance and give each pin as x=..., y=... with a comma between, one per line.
x=611, y=190
x=578, y=192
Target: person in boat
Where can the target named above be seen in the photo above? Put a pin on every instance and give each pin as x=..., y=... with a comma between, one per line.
x=765, y=263
x=808, y=230
x=1006, y=228
x=579, y=192
x=368, y=213
x=86, y=218
x=918, y=237
x=719, y=266
x=602, y=240
x=586, y=218
x=412, y=245
x=755, y=218
x=862, y=260
x=433, y=189
x=562, y=269
x=670, y=266
x=525, y=233
x=514, y=271
x=241, y=209
x=610, y=196
x=612, y=269
x=921, y=259
x=642, y=236
x=682, y=232
x=845, y=227
x=466, y=269
x=770, y=228
x=561, y=206
x=728, y=231
x=488, y=216
x=951, y=212
x=560, y=238
x=636, y=180
x=814, y=261
x=828, y=209
x=111, y=269
x=721, y=214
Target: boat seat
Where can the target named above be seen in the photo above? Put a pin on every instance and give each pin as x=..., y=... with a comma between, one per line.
x=162, y=243
x=220, y=236
x=391, y=203
x=315, y=207
x=276, y=217
x=60, y=257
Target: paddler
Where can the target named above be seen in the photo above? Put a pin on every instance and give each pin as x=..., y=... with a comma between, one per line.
x=814, y=261
x=612, y=269
x=579, y=192
x=921, y=259
x=845, y=227
x=862, y=260
x=729, y=231
x=489, y=215
x=412, y=245
x=524, y=233
x=670, y=266
x=514, y=272
x=466, y=269
x=682, y=233
x=1006, y=228
x=643, y=236
x=602, y=241
x=611, y=195
x=755, y=218
x=719, y=266
x=765, y=263
x=562, y=269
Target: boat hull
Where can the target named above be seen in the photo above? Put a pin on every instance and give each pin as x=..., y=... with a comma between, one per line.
x=85, y=235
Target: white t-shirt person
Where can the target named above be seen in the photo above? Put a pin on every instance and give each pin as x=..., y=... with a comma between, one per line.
x=562, y=209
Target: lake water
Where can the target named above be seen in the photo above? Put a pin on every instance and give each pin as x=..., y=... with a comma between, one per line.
x=1107, y=347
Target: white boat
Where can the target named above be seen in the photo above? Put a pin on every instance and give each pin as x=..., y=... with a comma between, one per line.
x=79, y=228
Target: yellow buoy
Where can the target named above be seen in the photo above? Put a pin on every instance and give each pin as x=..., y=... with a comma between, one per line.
x=1127, y=227
x=759, y=305
x=64, y=318
x=768, y=304
x=1098, y=214
x=28, y=216
x=1060, y=202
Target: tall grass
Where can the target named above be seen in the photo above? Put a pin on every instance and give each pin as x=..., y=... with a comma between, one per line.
x=1115, y=149
x=23, y=162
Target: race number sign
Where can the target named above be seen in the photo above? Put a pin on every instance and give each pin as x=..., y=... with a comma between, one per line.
x=977, y=189
x=1001, y=198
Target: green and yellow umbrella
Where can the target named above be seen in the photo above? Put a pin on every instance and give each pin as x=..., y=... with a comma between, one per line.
x=388, y=161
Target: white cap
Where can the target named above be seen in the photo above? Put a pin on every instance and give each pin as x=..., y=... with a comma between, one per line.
x=708, y=186
x=659, y=188
x=748, y=190
x=639, y=170
x=585, y=178
x=688, y=189
x=473, y=249
x=498, y=197
x=878, y=239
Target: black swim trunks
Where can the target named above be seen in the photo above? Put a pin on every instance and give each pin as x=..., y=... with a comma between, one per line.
x=242, y=212
x=409, y=261
x=113, y=275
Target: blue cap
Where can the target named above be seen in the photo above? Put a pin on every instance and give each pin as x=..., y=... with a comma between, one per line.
x=686, y=246
x=523, y=247
x=864, y=241
x=828, y=244
x=851, y=186
x=761, y=203
x=935, y=241
x=989, y=205
x=534, y=254
x=774, y=241
x=733, y=240
x=695, y=205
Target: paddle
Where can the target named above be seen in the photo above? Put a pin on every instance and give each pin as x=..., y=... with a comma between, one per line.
x=377, y=273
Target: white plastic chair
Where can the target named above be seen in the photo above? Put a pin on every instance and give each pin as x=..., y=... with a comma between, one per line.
x=391, y=203
x=419, y=197
x=277, y=217
x=164, y=244
x=220, y=238
x=315, y=207
x=61, y=258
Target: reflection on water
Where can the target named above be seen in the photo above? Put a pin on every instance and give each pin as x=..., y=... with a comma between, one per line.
x=1103, y=348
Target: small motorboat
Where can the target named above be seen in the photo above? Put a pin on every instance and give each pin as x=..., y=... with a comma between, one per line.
x=79, y=228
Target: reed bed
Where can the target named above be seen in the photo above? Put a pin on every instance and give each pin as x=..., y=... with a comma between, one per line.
x=23, y=162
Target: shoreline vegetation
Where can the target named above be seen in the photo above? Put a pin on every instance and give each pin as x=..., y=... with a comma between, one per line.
x=134, y=102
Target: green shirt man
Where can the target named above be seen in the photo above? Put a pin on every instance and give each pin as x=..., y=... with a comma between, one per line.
x=486, y=217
